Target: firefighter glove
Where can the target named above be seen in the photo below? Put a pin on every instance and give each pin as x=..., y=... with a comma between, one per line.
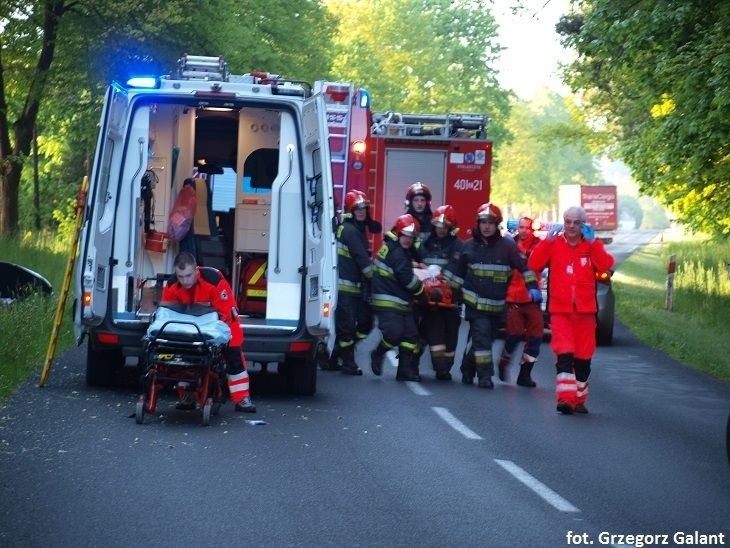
x=554, y=231
x=535, y=295
x=588, y=233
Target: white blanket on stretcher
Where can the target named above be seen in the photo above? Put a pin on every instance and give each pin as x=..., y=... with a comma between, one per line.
x=188, y=327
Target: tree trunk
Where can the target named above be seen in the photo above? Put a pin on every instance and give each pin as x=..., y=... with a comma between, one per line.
x=9, y=184
x=12, y=155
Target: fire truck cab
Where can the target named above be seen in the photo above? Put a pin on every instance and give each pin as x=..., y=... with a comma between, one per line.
x=255, y=146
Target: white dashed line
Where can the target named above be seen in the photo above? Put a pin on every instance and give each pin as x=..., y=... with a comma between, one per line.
x=418, y=389
x=542, y=490
x=455, y=423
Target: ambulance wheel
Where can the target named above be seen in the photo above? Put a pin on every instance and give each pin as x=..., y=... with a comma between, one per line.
x=207, y=410
x=301, y=376
x=101, y=365
x=139, y=410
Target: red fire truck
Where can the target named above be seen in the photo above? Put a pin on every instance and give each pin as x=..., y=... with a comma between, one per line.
x=382, y=154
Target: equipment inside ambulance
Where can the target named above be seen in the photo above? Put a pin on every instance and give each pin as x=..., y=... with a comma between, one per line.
x=258, y=205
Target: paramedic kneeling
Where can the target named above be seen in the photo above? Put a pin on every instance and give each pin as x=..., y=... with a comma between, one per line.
x=192, y=284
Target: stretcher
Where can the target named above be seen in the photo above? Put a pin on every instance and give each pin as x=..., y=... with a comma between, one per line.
x=183, y=352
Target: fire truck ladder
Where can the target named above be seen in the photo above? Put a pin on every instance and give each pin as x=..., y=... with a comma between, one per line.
x=454, y=125
x=338, y=102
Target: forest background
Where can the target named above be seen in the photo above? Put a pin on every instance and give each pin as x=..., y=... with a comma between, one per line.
x=650, y=86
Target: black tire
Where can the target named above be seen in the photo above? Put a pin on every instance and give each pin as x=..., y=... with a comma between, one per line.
x=101, y=365
x=139, y=410
x=207, y=411
x=727, y=439
x=301, y=376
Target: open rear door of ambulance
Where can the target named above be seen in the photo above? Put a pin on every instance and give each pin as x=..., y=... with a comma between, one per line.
x=93, y=283
x=320, y=222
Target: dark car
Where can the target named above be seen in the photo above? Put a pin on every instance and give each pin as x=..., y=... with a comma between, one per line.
x=606, y=307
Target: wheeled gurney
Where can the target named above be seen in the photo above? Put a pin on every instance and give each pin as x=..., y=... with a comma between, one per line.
x=183, y=351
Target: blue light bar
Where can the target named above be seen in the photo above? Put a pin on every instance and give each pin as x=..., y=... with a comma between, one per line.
x=149, y=82
x=364, y=99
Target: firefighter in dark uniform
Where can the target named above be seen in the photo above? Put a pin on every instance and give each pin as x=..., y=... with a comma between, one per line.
x=395, y=286
x=440, y=321
x=482, y=273
x=418, y=204
x=353, y=317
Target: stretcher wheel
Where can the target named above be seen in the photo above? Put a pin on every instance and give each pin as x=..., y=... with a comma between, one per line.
x=207, y=410
x=139, y=410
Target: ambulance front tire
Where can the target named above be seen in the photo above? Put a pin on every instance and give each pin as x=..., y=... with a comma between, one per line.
x=101, y=365
x=300, y=376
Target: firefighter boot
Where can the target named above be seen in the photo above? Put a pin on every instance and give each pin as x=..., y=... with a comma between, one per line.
x=376, y=359
x=503, y=368
x=442, y=366
x=485, y=376
x=349, y=367
x=524, y=378
x=407, y=367
x=468, y=368
x=333, y=363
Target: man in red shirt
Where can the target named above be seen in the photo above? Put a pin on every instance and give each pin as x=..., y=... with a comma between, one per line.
x=204, y=285
x=574, y=256
x=524, y=316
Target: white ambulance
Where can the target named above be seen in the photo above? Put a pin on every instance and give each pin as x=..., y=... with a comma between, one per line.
x=255, y=148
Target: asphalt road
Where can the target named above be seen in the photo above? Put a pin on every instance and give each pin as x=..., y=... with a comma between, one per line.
x=370, y=461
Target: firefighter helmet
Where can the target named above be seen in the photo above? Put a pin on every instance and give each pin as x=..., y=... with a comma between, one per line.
x=489, y=212
x=444, y=216
x=406, y=225
x=418, y=189
x=355, y=199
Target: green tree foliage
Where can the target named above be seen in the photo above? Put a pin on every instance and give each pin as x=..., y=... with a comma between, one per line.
x=549, y=149
x=657, y=76
x=58, y=88
x=430, y=56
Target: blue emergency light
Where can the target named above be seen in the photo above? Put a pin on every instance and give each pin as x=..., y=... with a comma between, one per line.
x=364, y=99
x=148, y=82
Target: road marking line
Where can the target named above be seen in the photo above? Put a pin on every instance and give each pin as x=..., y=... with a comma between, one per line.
x=456, y=424
x=542, y=490
x=417, y=389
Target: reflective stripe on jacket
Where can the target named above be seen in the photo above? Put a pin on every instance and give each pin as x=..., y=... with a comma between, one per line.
x=394, y=283
x=483, y=271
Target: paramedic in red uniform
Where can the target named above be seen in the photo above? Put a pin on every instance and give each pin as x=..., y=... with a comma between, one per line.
x=204, y=285
x=524, y=316
x=574, y=256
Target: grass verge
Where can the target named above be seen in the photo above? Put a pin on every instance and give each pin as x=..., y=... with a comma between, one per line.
x=26, y=325
x=696, y=330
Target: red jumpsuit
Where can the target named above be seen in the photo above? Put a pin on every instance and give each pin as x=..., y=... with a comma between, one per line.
x=212, y=288
x=572, y=306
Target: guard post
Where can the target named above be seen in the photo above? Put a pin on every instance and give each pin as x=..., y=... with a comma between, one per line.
x=670, y=282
